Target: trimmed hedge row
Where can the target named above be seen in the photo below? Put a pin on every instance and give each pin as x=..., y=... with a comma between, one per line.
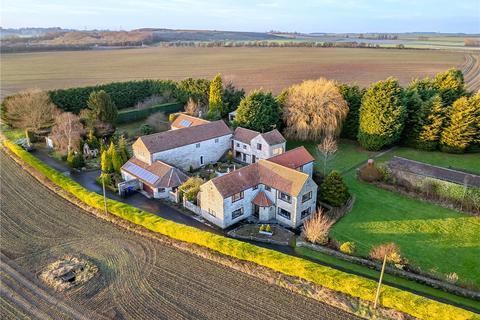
x=352, y=285
x=123, y=94
x=139, y=114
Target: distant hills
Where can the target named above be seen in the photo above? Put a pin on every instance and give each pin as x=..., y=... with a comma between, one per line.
x=55, y=38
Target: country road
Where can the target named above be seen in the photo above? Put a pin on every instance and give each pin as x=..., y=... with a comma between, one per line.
x=139, y=278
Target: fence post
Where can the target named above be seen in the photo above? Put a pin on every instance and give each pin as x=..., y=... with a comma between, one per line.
x=380, y=282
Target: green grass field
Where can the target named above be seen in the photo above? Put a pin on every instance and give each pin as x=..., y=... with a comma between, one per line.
x=362, y=270
x=431, y=237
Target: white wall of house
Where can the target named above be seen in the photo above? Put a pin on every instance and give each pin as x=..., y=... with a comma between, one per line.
x=311, y=204
x=308, y=169
x=252, y=149
x=210, y=151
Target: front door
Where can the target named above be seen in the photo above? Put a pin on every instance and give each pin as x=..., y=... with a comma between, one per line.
x=253, y=158
x=256, y=211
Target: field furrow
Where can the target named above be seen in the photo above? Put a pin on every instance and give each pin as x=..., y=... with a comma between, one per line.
x=138, y=278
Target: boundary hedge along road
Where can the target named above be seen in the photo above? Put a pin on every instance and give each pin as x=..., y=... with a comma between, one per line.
x=139, y=277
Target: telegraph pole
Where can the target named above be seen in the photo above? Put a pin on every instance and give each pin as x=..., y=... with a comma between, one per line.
x=380, y=282
x=104, y=195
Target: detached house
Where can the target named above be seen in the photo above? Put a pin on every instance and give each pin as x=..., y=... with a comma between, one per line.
x=189, y=147
x=248, y=146
x=267, y=190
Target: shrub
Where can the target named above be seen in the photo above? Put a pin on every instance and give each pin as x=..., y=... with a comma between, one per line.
x=262, y=227
x=452, y=277
x=316, y=228
x=102, y=107
x=348, y=247
x=382, y=115
x=268, y=228
x=191, y=188
x=333, y=190
x=146, y=129
x=75, y=160
x=349, y=284
x=391, y=251
x=158, y=121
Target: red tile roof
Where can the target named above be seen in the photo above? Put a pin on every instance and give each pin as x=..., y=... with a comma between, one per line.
x=262, y=172
x=262, y=200
x=273, y=137
x=181, y=137
x=293, y=158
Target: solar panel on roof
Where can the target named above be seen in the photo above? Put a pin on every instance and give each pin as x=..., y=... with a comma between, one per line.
x=141, y=173
x=186, y=123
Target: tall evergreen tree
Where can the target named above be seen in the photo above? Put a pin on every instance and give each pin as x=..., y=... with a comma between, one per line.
x=430, y=124
x=461, y=130
x=413, y=119
x=353, y=96
x=231, y=98
x=106, y=162
x=116, y=159
x=450, y=85
x=215, y=104
x=102, y=106
x=382, y=115
x=258, y=111
x=333, y=190
x=123, y=150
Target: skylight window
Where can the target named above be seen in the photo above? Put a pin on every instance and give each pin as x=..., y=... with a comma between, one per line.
x=185, y=123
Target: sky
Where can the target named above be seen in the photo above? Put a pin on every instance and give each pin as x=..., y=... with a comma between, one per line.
x=331, y=16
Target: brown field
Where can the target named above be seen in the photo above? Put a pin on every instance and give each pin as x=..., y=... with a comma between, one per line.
x=138, y=278
x=471, y=70
x=250, y=68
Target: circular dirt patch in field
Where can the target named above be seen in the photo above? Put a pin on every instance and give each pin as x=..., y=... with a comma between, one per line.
x=68, y=272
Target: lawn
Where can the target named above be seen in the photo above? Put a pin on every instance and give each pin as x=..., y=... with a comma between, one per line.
x=431, y=237
x=388, y=279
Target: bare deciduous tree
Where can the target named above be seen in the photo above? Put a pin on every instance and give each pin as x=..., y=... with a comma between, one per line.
x=313, y=109
x=327, y=148
x=317, y=227
x=67, y=132
x=32, y=110
x=192, y=108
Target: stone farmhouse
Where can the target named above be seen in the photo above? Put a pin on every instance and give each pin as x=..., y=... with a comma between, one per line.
x=248, y=146
x=280, y=189
x=186, y=148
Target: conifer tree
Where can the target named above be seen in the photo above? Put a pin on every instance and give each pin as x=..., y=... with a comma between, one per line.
x=431, y=124
x=382, y=115
x=461, y=130
x=123, y=150
x=215, y=98
x=353, y=96
x=116, y=160
x=102, y=106
x=333, y=190
x=413, y=119
x=106, y=162
x=450, y=85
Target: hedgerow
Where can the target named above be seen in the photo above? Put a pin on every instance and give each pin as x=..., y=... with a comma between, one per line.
x=139, y=114
x=352, y=285
x=123, y=94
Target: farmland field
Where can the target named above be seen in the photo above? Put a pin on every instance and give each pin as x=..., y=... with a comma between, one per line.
x=139, y=278
x=250, y=68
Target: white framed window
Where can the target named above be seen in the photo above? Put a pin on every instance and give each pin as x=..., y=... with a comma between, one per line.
x=237, y=213
x=285, y=197
x=268, y=188
x=255, y=187
x=201, y=160
x=211, y=212
x=307, y=196
x=284, y=213
x=238, y=145
x=237, y=196
x=244, y=146
x=259, y=146
x=197, y=145
x=160, y=190
x=216, y=140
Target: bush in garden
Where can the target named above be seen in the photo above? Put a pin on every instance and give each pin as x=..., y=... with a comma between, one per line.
x=348, y=247
x=316, y=228
x=391, y=251
x=268, y=228
x=262, y=227
x=146, y=129
x=382, y=115
x=333, y=190
x=191, y=188
x=369, y=172
x=75, y=160
x=452, y=277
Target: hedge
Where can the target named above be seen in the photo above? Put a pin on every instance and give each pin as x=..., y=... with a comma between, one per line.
x=352, y=285
x=139, y=114
x=123, y=94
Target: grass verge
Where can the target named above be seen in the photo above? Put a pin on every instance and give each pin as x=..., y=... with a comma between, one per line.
x=355, y=286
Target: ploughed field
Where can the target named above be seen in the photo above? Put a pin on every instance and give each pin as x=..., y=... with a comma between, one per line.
x=138, y=278
x=250, y=68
